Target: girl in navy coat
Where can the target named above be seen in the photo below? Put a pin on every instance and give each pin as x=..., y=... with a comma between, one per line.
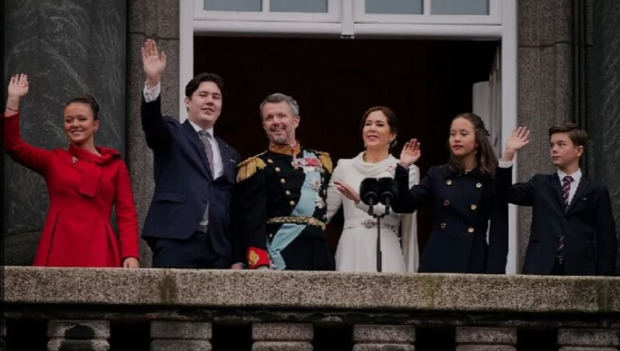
x=466, y=195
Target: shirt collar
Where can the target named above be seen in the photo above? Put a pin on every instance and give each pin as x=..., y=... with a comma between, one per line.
x=576, y=175
x=198, y=129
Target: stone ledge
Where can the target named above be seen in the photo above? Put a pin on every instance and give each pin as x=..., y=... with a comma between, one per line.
x=311, y=290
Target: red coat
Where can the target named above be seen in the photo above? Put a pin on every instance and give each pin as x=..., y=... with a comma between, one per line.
x=82, y=188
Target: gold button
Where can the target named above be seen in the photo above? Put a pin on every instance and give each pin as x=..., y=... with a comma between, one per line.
x=288, y=192
x=478, y=185
x=473, y=207
x=269, y=160
x=282, y=180
x=449, y=182
x=277, y=169
x=470, y=229
x=443, y=225
x=292, y=203
x=446, y=202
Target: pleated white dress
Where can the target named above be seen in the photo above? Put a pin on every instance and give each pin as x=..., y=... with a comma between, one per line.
x=357, y=246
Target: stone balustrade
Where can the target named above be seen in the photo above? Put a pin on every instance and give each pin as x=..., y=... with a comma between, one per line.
x=286, y=310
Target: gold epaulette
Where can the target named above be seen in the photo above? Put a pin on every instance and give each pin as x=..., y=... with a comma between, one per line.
x=326, y=161
x=247, y=168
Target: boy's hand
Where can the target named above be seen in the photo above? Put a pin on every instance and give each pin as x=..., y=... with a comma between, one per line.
x=519, y=137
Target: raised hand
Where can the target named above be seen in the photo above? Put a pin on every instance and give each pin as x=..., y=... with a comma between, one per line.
x=18, y=85
x=411, y=153
x=347, y=191
x=153, y=62
x=519, y=137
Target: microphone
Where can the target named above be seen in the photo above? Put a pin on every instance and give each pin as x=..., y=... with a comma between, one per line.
x=387, y=190
x=369, y=191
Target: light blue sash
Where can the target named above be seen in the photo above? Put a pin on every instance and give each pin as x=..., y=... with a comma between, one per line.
x=305, y=208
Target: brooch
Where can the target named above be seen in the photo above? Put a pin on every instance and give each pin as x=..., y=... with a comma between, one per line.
x=308, y=164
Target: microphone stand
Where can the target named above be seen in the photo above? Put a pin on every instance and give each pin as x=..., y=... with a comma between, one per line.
x=378, y=217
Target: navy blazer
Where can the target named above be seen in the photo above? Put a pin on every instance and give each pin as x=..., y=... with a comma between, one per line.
x=184, y=183
x=463, y=205
x=587, y=224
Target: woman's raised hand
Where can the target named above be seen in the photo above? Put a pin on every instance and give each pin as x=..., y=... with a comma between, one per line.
x=18, y=85
x=411, y=153
x=347, y=191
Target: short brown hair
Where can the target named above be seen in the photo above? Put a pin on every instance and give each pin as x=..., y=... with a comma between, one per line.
x=578, y=136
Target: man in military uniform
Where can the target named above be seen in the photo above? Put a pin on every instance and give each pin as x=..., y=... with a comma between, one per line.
x=280, y=204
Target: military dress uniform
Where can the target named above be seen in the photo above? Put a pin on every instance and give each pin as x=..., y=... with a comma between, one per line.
x=281, y=210
x=463, y=205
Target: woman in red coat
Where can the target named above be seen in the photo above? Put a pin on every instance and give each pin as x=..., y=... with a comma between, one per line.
x=83, y=182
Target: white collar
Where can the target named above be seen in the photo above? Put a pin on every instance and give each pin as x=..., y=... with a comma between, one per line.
x=576, y=175
x=198, y=129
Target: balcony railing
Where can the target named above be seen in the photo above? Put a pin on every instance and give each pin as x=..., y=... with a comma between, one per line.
x=210, y=309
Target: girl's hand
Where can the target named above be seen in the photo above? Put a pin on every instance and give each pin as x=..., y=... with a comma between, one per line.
x=411, y=153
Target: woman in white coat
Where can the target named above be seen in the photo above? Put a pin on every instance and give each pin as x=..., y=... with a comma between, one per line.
x=357, y=246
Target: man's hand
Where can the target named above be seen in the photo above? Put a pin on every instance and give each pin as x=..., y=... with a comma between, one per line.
x=153, y=62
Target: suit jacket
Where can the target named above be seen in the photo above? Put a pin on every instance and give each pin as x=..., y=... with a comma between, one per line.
x=184, y=183
x=462, y=206
x=83, y=188
x=587, y=224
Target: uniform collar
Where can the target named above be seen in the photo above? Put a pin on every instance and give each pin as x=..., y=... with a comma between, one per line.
x=285, y=149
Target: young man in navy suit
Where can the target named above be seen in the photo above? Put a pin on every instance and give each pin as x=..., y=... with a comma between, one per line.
x=573, y=231
x=188, y=223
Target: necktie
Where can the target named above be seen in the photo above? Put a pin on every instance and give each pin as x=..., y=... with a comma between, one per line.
x=566, y=189
x=205, y=138
x=565, y=192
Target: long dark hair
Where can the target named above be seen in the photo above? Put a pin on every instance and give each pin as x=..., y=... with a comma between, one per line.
x=485, y=156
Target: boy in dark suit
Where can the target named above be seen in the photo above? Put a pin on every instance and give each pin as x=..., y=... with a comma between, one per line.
x=573, y=231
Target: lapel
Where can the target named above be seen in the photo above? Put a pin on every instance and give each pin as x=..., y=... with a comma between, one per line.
x=229, y=168
x=192, y=136
x=557, y=188
x=581, y=189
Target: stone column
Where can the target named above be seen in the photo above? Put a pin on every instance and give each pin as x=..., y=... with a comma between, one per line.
x=588, y=339
x=178, y=335
x=486, y=339
x=2, y=334
x=370, y=337
x=282, y=337
x=86, y=335
x=545, y=89
x=158, y=20
x=604, y=101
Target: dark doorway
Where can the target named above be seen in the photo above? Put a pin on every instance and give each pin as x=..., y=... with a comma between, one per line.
x=426, y=82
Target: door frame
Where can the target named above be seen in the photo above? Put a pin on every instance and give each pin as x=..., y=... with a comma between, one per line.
x=505, y=31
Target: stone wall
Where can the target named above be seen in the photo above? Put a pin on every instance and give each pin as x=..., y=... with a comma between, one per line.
x=158, y=20
x=67, y=48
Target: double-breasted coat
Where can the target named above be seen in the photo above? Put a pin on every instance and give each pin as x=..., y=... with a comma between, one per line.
x=463, y=205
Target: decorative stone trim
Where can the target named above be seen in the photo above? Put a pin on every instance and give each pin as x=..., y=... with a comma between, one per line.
x=371, y=337
x=180, y=335
x=78, y=335
x=578, y=339
x=282, y=337
x=486, y=339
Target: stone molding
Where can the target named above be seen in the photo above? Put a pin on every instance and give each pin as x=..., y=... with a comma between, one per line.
x=312, y=290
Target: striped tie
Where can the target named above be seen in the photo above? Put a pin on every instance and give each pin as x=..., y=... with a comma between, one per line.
x=565, y=195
